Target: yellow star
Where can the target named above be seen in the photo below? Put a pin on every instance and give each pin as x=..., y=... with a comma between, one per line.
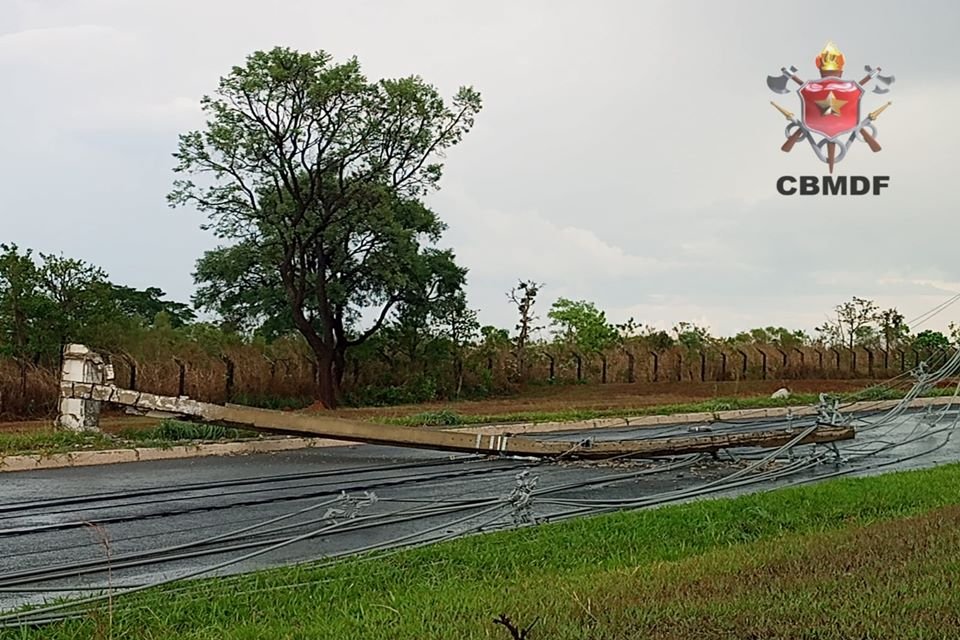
x=831, y=106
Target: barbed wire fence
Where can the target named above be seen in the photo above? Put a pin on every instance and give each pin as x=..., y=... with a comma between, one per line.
x=288, y=380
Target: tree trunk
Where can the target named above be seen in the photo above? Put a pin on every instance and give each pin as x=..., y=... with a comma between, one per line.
x=339, y=367
x=326, y=384
x=327, y=357
x=23, y=380
x=458, y=374
x=326, y=379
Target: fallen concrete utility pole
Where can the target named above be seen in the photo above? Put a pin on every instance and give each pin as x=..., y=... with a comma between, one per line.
x=459, y=441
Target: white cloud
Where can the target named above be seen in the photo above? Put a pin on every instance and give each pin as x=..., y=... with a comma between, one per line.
x=36, y=45
x=626, y=154
x=527, y=244
x=172, y=114
x=937, y=285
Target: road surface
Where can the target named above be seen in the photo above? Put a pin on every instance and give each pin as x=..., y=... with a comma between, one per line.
x=153, y=521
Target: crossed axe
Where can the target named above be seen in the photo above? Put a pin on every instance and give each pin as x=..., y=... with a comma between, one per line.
x=779, y=85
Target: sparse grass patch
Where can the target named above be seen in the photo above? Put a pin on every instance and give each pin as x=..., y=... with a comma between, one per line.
x=856, y=558
x=442, y=418
x=445, y=417
x=170, y=431
x=275, y=402
x=51, y=441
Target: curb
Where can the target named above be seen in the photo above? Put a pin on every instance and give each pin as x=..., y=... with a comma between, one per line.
x=143, y=454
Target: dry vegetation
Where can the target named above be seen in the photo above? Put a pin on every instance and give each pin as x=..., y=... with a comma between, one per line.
x=283, y=378
x=603, y=397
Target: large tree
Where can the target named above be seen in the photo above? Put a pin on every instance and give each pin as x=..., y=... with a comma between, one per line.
x=144, y=305
x=582, y=325
x=853, y=325
x=81, y=297
x=523, y=297
x=22, y=308
x=48, y=303
x=458, y=323
x=316, y=176
x=893, y=328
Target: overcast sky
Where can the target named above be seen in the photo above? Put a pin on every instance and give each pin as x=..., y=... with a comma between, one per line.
x=626, y=154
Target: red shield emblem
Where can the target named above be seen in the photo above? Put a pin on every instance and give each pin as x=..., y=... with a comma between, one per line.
x=831, y=106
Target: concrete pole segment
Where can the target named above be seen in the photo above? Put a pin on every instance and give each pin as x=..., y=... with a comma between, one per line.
x=82, y=365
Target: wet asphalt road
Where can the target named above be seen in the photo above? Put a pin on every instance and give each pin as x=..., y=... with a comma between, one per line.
x=139, y=507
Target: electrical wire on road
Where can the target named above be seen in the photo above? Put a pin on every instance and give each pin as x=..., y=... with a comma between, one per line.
x=425, y=511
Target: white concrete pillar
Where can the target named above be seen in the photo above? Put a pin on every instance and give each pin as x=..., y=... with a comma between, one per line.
x=80, y=364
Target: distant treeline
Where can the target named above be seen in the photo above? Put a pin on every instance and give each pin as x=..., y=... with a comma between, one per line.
x=157, y=345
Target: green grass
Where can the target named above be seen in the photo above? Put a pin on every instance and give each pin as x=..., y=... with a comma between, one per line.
x=173, y=431
x=277, y=403
x=446, y=417
x=850, y=558
x=892, y=579
x=168, y=433
x=52, y=442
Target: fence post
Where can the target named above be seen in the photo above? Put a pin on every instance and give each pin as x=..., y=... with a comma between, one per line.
x=80, y=364
x=182, y=380
x=723, y=365
x=603, y=372
x=228, y=386
x=803, y=357
x=679, y=367
x=631, y=368
x=763, y=362
x=836, y=352
x=743, y=372
x=703, y=367
x=819, y=359
x=902, y=360
x=553, y=366
x=133, y=369
x=853, y=361
x=869, y=361
x=656, y=365
x=784, y=361
x=579, y=360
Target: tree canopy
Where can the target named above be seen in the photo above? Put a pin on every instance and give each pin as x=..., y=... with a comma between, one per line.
x=316, y=176
x=581, y=324
x=47, y=301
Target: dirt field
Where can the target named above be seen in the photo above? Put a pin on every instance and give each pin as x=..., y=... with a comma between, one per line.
x=612, y=396
x=559, y=398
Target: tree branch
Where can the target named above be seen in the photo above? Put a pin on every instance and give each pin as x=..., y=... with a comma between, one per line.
x=376, y=326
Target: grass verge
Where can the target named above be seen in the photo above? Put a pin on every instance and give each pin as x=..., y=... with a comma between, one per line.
x=452, y=418
x=167, y=434
x=872, y=557
x=176, y=431
x=50, y=441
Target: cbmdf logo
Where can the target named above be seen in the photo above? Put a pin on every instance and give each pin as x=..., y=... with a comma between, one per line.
x=831, y=120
